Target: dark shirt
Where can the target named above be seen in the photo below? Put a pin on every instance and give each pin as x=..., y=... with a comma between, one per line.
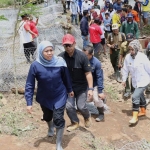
x=78, y=65
x=137, y=7
x=116, y=5
x=97, y=74
x=53, y=85
x=84, y=26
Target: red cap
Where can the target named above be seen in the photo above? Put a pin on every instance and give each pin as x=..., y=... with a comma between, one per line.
x=68, y=39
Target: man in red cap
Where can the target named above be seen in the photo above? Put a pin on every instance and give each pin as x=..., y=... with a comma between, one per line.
x=82, y=81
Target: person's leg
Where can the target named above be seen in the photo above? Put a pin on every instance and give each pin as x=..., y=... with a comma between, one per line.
x=145, y=18
x=118, y=70
x=72, y=114
x=112, y=59
x=81, y=105
x=85, y=41
x=99, y=104
x=32, y=48
x=47, y=116
x=72, y=18
x=142, y=105
x=136, y=98
x=27, y=51
x=76, y=21
x=127, y=89
x=59, y=123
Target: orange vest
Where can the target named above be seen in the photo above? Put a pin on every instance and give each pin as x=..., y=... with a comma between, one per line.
x=135, y=15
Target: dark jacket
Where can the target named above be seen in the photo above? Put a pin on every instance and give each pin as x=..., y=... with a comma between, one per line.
x=137, y=7
x=84, y=27
x=97, y=74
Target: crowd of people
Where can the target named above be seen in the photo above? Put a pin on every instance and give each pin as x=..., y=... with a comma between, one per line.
x=69, y=80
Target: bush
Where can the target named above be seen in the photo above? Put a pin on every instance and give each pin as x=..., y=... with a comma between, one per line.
x=5, y=3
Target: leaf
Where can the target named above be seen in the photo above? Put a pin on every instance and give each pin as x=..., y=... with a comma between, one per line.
x=2, y=17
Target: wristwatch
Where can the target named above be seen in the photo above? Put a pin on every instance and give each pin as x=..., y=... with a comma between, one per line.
x=91, y=89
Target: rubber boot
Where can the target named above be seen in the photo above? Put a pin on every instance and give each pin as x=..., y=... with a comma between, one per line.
x=101, y=114
x=142, y=112
x=50, y=128
x=118, y=76
x=134, y=119
x=73, y=126
x=59, y=135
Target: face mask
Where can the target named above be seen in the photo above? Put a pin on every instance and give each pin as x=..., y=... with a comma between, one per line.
x=129, y=22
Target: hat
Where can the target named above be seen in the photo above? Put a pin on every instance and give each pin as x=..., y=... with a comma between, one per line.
x=129, y=15
x=68, y=39
x=115, y=26
x=118, y=8
x=129, y=37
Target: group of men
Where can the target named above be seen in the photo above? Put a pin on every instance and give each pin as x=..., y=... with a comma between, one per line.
x=121, y=29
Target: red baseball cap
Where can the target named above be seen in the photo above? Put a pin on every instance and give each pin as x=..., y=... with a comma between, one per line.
x=68, y=39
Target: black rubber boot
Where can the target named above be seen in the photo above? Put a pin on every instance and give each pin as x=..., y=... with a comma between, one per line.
x=101, y=114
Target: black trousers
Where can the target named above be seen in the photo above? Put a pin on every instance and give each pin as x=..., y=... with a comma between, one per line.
x=29, y=49
x=57, y=115
x=68, y=4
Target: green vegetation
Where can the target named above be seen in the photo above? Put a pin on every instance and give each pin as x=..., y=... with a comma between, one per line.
x=111, y=92
x=146, y=30
x=30, y=9
x=2, y=17
x=6, y=3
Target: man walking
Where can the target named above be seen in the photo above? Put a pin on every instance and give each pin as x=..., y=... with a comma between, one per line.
x=98, y=81
x=114, y=42
x=95, y=36
x=84, y=27
x=130, y=26
x=82, y=82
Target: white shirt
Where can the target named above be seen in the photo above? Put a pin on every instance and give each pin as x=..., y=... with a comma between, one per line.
x=87, y=6
x=139, y=69
x=103, y=31
x=25, y=36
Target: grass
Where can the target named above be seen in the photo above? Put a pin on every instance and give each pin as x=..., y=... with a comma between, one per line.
x=91, y=143
x=111, y=92
x=146, y=30
x=6, y=3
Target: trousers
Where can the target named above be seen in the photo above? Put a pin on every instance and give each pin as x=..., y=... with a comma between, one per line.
x=80, y=101
x=138, y=99
x=57, y=115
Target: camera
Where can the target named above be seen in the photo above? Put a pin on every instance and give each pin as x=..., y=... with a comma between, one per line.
x=115, y=46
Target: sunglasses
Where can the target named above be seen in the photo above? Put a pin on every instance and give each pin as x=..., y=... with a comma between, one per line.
x=68, y=45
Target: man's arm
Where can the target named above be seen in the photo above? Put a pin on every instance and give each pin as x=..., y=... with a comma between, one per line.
x=145, y=3
x=99, y=78
x=125, y=70
x=37, y=19
x=89, y=79
x=27, y=28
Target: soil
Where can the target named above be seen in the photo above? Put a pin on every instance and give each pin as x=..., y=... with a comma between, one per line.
x=31, y=132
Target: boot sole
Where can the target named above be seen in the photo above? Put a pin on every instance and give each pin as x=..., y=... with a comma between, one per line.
x=99, y=120
x=133, y=124
x=72, y=129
